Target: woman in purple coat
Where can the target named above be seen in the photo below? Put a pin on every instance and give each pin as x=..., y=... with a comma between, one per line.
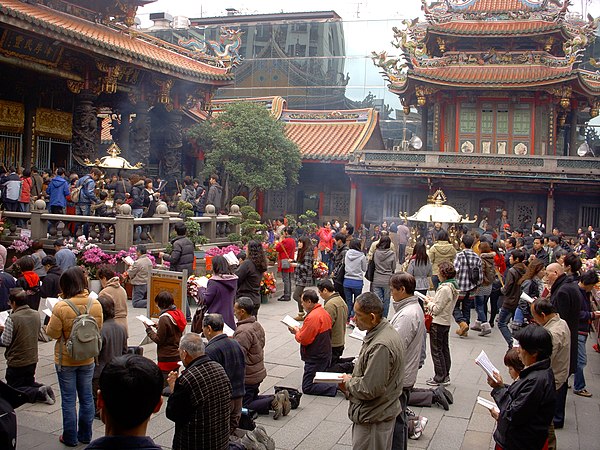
x=220, y=291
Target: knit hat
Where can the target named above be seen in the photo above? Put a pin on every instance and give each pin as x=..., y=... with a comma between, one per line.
x=3, y=254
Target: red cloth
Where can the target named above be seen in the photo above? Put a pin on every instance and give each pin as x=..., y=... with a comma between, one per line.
x=325, y=238
x=31, y=278
x=315, y=323
x=178, y=317
x=500, y=263
x=289, y=253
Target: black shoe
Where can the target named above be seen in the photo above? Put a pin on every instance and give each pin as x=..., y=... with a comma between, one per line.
x=447, y=394
x=440, y=399
x=558, y=425
x=283, y=299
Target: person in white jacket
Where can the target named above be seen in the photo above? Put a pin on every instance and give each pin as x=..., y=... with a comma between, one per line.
x=409, y=322
x=355, y=266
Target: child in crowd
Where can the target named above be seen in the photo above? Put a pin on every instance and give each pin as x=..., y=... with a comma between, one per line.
x=513, y=363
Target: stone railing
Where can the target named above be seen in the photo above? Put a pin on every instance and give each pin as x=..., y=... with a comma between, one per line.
x=120, y=232
x=554, y=168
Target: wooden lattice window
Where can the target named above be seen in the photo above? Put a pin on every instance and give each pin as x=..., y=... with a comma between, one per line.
x=522, y=121
x=468, y=118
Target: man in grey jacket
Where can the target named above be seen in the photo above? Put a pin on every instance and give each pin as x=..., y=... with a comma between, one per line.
x=409, y=322
x=375, y=385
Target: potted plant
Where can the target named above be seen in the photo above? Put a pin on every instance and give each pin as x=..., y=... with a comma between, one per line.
x=267, y=287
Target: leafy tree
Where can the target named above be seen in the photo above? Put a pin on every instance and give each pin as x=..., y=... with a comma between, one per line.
x=248, y=147
x=250, y=225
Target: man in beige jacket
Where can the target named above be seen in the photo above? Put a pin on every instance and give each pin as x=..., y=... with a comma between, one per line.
x=544, y=313
x=139, y=274
x=338, y=310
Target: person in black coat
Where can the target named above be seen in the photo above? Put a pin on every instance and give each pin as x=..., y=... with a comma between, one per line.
x=250, y=274
x=50, y=285
x=527, y=405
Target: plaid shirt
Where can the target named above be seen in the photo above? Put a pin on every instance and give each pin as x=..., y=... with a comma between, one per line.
x=200, y=406
x=303, y=274
x=462, y=262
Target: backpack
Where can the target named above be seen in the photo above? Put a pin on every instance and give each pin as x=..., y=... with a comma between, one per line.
x=76, y=192
x=472, y=272
x=85, y=340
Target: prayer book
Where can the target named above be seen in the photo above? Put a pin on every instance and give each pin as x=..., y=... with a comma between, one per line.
x=227, y=330
x=290, y=322
x=93, y=295
x=526, y=297
x=203, y=282
x=421, y=296
x=47, y=311
x=231, y=259
x=358, y=334
x=128, y=260
x=487, y=404
x=328, y=377
x=3, y=317
x=484, y=362
x=51, y=302
x=145, y=320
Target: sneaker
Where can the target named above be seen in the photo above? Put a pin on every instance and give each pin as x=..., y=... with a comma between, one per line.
x=476, y=326
x=583, y=393
x=446, y=382
x=447, y=394
x=299, y=317
x=440, y=399
x=485, y=329
x=432, y=382
x=62, y=441
x=49, y=398
x=262, y=437
x=287, y=404
x=277, y=406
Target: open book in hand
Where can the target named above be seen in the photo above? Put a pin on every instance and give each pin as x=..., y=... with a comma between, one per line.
x=487, y=404
x=145, y=320
x=228, y=330
x=527, y=298
x=358, y=334
x=290, y=322
x=328, y=377
x=484, y=362
x=3, y=317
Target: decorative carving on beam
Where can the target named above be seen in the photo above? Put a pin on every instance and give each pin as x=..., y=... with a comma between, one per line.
x=164, y=92
x=112, y=73
x=75, y=86
x=564, y=93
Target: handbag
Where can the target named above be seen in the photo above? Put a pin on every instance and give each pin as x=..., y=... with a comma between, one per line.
x=428, y=321
x=370, y=273
x=199, y=317
x=295, y=395
x=285, y=262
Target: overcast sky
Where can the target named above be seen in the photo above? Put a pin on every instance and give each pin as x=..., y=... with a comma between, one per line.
x=347, y=9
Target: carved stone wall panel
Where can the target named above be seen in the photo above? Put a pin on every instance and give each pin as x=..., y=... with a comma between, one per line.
x=49, y=122
x=12, y=116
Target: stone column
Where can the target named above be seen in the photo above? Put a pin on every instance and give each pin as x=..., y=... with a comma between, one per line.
x=352, y=207
x=170, y=163
x=550, y=209
x=139, y=136
x=85, y=127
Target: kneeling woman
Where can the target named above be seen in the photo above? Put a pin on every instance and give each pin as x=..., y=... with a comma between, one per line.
x=527, y=405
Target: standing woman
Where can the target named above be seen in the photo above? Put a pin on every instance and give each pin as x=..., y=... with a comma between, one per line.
x=170, y=327
x=483, y=292
x=221, y=290
x=441, y=250
x=150, y=198
x=385, y=266
x=532, y=284
x=286, y=249
x=38, y=255
x=421, y=268
x=326, y=244
x=303, y=272
x=74, y=377
x=250, y=274
x=441, y=307
x=111, y=288
x=355, y=266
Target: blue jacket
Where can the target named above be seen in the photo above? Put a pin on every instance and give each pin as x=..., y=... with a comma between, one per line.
x=87, y=196
x=58, y=190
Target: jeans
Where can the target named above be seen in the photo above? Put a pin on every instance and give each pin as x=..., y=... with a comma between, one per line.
x=400, y=437
x=259, y=403
x=440, y=351
x=480, y=301
x=327, y=259
x=494, y=297
x=23, y=207
x=298, y=290
x=23, y=379
x=462, y=309
x=351, y=293
x=561, y=400
x=138, y=295
x=518, y=318
x=435, y=280
x=287, y=285
x=310, y=370
x=579, y=382
x=76, y=384
x=84, y=209
x=11, y=205
x=137, y=213
x=383, y=292
x=401, y=253
x=503, y=319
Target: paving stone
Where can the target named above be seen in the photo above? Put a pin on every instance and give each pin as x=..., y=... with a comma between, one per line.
x=324, y=436
x=449, y=434
x=476, y=439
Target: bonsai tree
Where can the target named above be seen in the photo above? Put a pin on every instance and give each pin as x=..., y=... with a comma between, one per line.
x=194, y=230
x=250, y=225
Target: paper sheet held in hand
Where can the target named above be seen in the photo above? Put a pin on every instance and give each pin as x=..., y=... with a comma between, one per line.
x=487, y=404
x=93, y=295
x=227, y=330
x=484, y=362
x=421, y=296
x=328, y=377
x=128, y=260
x=526, y=297
x=145, y=320
x=290, y=322
x=231, y=259
x=358, y=334
x=51, y=302
x=3, y=317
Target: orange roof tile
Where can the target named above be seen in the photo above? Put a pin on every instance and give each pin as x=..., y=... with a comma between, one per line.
x=329, y=135
x=108, y=41
x=499, y=76
x=507, y=27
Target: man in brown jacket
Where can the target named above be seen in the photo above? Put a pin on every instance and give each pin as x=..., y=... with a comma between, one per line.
x=251, y=337
x=111, y=288
x=139, y=274
x=338, y=310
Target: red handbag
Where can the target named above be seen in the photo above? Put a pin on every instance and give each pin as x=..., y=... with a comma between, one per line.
x=428, y=321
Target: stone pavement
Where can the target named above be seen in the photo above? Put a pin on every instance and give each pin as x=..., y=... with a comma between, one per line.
x=322, y=422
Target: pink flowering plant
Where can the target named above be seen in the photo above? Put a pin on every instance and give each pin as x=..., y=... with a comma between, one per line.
x=21, y=244
x=220, y=251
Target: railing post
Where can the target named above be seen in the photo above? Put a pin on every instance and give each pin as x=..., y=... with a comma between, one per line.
x=212, y=225
x=162, y=212
x=235, y=212
x=124, y=229
x=39, y=229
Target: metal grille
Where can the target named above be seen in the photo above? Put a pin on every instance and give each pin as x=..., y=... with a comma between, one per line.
x=589, y=215
x=394, y=157
x=578, y=164
x=490, y=160
x=11, y=147
x=44, y=151
x=394, y=204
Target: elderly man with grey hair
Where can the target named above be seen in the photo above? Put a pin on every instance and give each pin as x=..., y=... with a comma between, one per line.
x=200, y=403
x=375, y=385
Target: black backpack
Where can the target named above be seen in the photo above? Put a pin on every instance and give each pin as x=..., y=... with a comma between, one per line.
x=473, y=272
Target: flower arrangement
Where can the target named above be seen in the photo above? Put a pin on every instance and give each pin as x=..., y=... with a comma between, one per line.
x=270, y=252
x=320, y=270
x=220, y=251
x=267, y=284
x=193, y=286
x=591, y=264
x=21, y=244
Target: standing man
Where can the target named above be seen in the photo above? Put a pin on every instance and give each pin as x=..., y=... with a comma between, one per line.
x=58, y=190
x=11, y=190
x=545, y=315
x=139, y=274
x=375, y=386
x=337, y=309
x=553, y=247
x=87, y=195
x=65, y=258
x=229, y=354
x=538, y=251
x=469, y=275
x=315, y=344
x=200, y=403
x=215, y=193
x=403, y=236
x=409, y=322
x=339, y=256
x=512, y=293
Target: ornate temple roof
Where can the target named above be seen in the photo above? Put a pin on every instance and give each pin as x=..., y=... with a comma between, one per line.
x=499, y=28
x=114, y=41
x=494, y=5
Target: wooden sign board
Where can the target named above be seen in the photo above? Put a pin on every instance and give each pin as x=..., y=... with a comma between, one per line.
x=164, y=280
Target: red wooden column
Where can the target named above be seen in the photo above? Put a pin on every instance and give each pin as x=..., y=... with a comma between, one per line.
x=321, y=205
x=260, y=203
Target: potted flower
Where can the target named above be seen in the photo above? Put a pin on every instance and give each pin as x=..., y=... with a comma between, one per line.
x=267, y=287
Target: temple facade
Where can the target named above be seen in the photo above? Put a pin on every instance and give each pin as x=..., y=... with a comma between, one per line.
x=504, y=100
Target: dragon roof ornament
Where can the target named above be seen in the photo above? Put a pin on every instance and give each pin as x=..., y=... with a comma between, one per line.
x=224, y=52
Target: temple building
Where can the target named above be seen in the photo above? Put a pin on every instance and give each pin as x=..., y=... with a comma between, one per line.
x=503, y=99
x=67, y=65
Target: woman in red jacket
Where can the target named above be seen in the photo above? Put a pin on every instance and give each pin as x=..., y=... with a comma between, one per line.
x=286, y=250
